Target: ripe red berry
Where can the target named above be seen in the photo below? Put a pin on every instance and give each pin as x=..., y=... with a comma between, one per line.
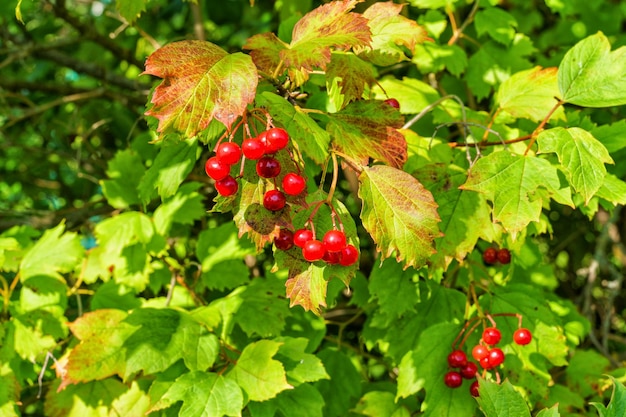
x=284, y=240
x=228, y=152
x=393, y=103
x=457, y=359
x=268, y=167
x=491, y=336
x=227, y=186
x=522, y=336
x=490, y=256
x=484, y=362
x=274, y=200
x=479, y=352
x=253, y=148
x=276, y=139
x=496, y=357
x=216, y=169
x=313, y=250
x=332, y=258
x=474, y=389
x=468, y=371
x=349, y=255
x=334, y=240
x=293, y=184
x=504, y=256
x=453, y=379
x=301, y=236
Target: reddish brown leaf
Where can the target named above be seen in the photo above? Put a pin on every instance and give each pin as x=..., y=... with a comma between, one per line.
x=351, y=74
x=201, y=82
x=265, y=50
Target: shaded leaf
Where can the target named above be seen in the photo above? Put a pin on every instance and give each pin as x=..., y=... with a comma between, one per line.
x=125, y=171
x=343, y=386
x=591, y=75
x=496, y=22
x=399, y=214
x=201, y=81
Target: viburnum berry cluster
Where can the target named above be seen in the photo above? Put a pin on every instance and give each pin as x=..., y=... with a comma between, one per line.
x=492, y=256
x=485, y=353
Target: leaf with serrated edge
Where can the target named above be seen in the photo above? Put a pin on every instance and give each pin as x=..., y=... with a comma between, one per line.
x=501, y=400
x=581, y=155
x=530, y=94
x=512, y=183
x=265, y=51
x=201, y=81
x=203, y=394
x=260, y=376
x=613, y=189
x=350, y=74
x=391, y=33
x=307, y=288
x=590, y=75
x=399, y=214
x=369, y=129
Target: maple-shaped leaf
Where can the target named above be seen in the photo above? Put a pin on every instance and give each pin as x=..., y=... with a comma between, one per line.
x=517, y=186
x=265, y=50
x=201, y=82
x=306, y=287
x=581, y=155
x=347, y=76
x=399, y=213
x=203, y=394
x=530, y=94
x=369, y=129
x=501, y=400
x=391, y=34
x=260, y=376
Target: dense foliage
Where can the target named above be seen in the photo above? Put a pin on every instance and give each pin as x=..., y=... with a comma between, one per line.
x=309, y=208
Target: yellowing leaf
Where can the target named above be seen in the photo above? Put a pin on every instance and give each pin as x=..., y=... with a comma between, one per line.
x=591, y=75
x=201, y=82
x=399, y=214
x=531, y=94
x=350, y=75
x=307, y=288
x=581, y=155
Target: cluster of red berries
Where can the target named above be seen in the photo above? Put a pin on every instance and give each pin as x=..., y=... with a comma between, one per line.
x=261, y=149
x=332, y=249
x=492, y=256
x=486, y=354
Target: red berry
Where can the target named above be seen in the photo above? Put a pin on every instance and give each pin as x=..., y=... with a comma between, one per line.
x=349, y=255
x=268, y=167
x=468, y=371
x=276, y=139
x=504, y=256
x=313, y=250
x=301, y=236
x=393, y=103
x=228, y=152
x=496, y=357
x=253, y=148
x=522, y=336
x=227, y=186
x=332, y=258
x=293, y=184
x=490, y=256
x=491, y=336
x=274, y=200
x=453, y=379
x=216, y=169
x=484, y=362
x=284, y=240
x=479, y=352
x=334, y=240
x=457, y=359
x=474, y=389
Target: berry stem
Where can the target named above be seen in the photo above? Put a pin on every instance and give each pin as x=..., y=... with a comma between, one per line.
x=333, y=184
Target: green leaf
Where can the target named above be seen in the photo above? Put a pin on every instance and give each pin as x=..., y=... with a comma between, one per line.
x=585, y=370
x=612, y=135
x=263, y=309
x=392, y=34
x=433, y=4
x=549, y=412
x=9, y=392
x=517, y=186
x=203, y=394
x=130, y=10
x=501, y=400
x=301, y=367
x=617, y=405
x=399, y=214
x=530, y=94
x=185, y=207
x=347, y=76
x=201, y=82
x=389, y=280
x=125, y=171
x=380, y=403
x=55, y=252
x=368, y=129
x=591, y=75
x=613, y=189
x=414, y=95
x=305, y=398
x=432, y=57
x=260, y=376
x=174, y=162
x=311, y=139
x=581, y=156
x=496, y=22
x=344, y=385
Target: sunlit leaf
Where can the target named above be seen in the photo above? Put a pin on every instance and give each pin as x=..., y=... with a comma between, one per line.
x=501, y=400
